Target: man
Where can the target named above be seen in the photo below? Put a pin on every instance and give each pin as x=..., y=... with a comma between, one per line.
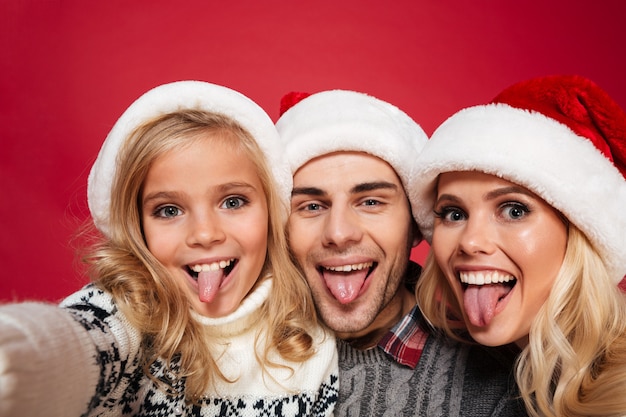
x=351, y=230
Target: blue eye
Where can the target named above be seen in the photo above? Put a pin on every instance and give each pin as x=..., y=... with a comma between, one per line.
x=233, y=203
x=168, y=211
x=451, y=214
x=515, y=210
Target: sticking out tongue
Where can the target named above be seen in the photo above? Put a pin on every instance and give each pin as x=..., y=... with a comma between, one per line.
x=208, y=284
x=345, y=286
x=481, y=300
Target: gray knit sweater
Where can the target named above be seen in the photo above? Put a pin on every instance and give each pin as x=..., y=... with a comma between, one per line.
x=451, y=379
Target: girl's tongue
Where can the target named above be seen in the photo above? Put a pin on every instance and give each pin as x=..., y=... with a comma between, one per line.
x=209, y=284
x=480, y=302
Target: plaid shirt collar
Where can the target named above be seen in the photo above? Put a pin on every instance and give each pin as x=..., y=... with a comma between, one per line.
x=406, y=340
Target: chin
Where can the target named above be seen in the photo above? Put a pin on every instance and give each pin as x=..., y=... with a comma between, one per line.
x=487, y=338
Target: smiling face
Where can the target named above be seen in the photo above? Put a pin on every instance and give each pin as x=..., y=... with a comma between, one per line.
x=205, y=218
x=500, y=246
x=350, y=229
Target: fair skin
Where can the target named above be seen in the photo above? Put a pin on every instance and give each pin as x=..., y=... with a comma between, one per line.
x=489, y=228
x=351, y=231
x=205, y=218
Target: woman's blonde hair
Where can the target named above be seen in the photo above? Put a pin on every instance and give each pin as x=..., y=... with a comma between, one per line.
x=575, y=362
x=147, y=294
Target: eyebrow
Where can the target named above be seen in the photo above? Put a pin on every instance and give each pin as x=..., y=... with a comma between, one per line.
x=222, y=188
x=308, y=191
x=514, y=189
x=159, y=195
x=372, y=186
x=359, y=188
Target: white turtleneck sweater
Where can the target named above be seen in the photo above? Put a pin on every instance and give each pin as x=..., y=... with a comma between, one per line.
x=82, y=359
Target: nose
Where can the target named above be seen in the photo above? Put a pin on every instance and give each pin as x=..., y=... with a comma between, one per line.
x=477, y=236
x=205, y=229
x=342, y=227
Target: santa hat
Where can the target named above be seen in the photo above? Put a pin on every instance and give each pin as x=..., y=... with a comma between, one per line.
x=561, y=137
x=341, y=120
x=169, y=98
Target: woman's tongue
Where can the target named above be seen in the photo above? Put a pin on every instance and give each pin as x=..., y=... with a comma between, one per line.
x=209, y=284
x=345, y=286
x=480, y=302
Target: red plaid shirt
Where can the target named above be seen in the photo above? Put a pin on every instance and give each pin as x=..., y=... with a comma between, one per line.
x=406, y=340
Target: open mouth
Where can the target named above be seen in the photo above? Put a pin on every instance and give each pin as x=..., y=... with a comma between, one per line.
x=349, y=268
x=485, y=294
x=227, y=266
x=486, y=277
x=210, y=277
x=346, y=282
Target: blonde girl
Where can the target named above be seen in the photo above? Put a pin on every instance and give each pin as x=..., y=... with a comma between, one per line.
x=195, y=307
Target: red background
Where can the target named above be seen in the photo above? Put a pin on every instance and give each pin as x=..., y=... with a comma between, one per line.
x=69, y=68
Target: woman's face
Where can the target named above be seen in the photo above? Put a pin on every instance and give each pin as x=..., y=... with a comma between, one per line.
x=500, y=246
x=205, y=218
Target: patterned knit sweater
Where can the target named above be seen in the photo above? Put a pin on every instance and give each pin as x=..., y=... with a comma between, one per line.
x=450, y=380
x=83, y=360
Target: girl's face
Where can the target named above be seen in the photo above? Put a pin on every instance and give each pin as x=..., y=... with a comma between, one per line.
x=500, y=246
x=205, y=218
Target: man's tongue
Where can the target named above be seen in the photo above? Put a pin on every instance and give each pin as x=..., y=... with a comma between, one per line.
x=208, y=284
x=345, y=286
x=480, y=302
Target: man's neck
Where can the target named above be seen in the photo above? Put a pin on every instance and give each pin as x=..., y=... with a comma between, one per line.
x=368, y=338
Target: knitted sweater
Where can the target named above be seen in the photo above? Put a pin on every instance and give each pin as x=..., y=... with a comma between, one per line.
x=451, y=380
x=83, y=359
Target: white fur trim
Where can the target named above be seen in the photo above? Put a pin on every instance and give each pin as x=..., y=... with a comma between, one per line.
x=539, y=153
x=340, y=120
x=169, y=98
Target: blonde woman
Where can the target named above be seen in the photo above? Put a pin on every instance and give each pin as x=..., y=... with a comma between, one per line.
x=195, y=306
x=524, y=208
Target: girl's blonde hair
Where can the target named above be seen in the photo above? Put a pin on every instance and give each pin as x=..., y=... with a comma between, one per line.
x=575, y=362
x=147, y=294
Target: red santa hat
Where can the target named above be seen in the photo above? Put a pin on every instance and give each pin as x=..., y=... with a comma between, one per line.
x=561, y=137
x=342, y=120
x=169, y=98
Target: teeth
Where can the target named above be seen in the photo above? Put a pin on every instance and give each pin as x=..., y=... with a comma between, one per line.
x=482, y=278
x=213, y=266
x=348, y=268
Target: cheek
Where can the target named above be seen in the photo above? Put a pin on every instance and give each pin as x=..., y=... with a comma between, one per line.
x=442, y=246
x=160, y=248
x=393, y=232
x=151, y=238
x=543, y=248
x=255, y=230
x=443, y=249
x=157, y=236
x=539, y=253
x=258, y=241
x=160, y=241
x=300, y=238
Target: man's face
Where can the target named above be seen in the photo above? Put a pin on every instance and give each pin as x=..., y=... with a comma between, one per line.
x=350, y=229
